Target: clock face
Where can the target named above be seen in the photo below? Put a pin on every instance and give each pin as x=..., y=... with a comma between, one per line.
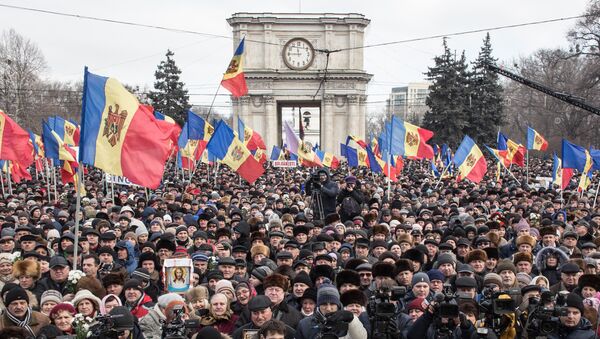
x=298, y=54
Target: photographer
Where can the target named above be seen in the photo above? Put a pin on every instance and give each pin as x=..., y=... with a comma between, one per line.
x=350, y=199
x=119, y=323
x=437, y=322
x=573, y=325
x=329, y=321
x=321, y=185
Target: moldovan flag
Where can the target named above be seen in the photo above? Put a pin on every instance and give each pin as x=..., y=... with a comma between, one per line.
x=574, y=156
x=14, y=142
x=277, y=153
x=250, y=137
x=470, y=161
x=513, y=152
x=306, y=155
x=17, y=172
x=120, y=136
x=66, y=130
x=586, y=175
x=380, y=166
x=535, y=141
x=327, y=159
x=410, y=140
x=350, y=154
x=176, y=130
x=499, y=155
x=560, y=176
x=233, y=79
x=232, y=152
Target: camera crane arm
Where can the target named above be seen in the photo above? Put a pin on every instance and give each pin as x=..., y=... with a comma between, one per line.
x=566, y=97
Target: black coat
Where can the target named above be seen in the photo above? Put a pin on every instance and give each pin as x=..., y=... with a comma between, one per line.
x=355, y=194
x=582, y=331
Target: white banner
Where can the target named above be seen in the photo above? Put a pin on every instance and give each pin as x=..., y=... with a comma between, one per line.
x=117, y=180
x=284, y=163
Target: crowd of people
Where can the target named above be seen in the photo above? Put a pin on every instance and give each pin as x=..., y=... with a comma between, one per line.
x=312, y=253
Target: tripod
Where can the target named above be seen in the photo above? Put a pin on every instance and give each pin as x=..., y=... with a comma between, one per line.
x=317, y=204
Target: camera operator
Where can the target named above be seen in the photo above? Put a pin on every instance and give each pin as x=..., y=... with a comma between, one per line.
x=350, y=198
x=573, y=325
x=118, y=324
x=329, y=320
x=437, y=322
x=321, y=185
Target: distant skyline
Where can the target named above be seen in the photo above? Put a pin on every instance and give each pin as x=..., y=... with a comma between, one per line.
x=131, y=54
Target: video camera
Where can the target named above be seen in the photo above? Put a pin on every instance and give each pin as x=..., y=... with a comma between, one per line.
x=315, y=181
x=383, y=312
x=177, y=328
x=544, y=313
x=494, y=306
x=333, y=325
x=104, y=327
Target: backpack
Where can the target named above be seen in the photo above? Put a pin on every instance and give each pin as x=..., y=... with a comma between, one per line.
x=350, y=207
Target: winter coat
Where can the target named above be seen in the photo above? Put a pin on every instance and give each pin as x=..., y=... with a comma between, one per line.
x=583, y=330
x=287, y=314
x=130, y=263
x=38, y=320
x=308, y=328
x=150, y=324
x=423, y=328
x=142, y=307
x=329, y=192
x=551, y=273
x=355, y=194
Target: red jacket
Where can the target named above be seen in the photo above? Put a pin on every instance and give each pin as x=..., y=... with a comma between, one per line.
x=141, y=309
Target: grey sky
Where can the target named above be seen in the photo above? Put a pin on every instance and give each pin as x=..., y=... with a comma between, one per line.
x=131, y=54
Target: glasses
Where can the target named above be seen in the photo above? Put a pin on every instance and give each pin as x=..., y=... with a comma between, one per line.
x=365, y=274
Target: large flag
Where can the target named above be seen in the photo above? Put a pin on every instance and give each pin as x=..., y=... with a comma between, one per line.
x=560, y=176
x=17, y=172
x=120, y=136
x=595, y=153
x=327, y=159
x=14, y=142
x=250, y=137
x=574, y=156
x=513, y=152
x=586, y=175
x=232, y=152
x=233, y=79
x=377, y=165
x=499, y=155
x=296, y=146
x=67, y=130
x=410, y=140
x=50, y=144
x=535, y=141
x=470, y=161
x=350, y=154
x=277, y=153
x=194, y=136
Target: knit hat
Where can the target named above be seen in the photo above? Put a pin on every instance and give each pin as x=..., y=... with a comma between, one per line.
x=17, y=293
x=303, y=278
x=224, y=284
x=523, y=278
x=419, y=277
x=53, y=233
x=62, y=307
x=133, y=283
x=574, y=300
x=85, y=294
x=492, y=278
x=435, y=274
x=416, y=304
x=327, y=293
x=140, y=230
x=51, y=295
x=261, y=272
x=6, y=257
x=506, y=265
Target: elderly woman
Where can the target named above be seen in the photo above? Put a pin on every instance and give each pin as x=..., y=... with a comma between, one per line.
x=27, y=272
x=86, y=303
x=6, y=268
x=197, y=299
x=220, y=315
x=108, y=303
x=61, y=318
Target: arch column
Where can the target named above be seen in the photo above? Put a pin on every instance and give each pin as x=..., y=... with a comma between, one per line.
x=327, y=127
x=270, y=121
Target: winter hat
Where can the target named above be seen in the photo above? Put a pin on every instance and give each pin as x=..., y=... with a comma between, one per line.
x=261, y=272
x=105, y=300
x=521, y=225
x=165, y=299
x=303, y=278
x=416, y=304
x=133, y=283
x=523, y=278
x=492, y=278
x=140, y=230
x=347, y=277
x=506, y=265
x=53, y=233
x=17, y=293
x=225, y=284
x=419, y=278
x=141, y=274
x=6, y=257
x=476, y=254
x=85, y=294
x=327, y=293
x=62, y=307
x=113, y=279
x=276, y=280
x=26, y=268
x=51, y=295
x=353, y=296
x=574, y=300
x=209, y=333
x=259, y=249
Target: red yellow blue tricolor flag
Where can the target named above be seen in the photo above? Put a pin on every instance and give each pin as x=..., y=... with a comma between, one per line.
x=409, y=140
x=251, y=138
x=470, y=161
x=513, y=152
x=560, y=176
x=234, y=79
x=120, y=136
x=535, y=141
x=232, y=152
x=67, y=130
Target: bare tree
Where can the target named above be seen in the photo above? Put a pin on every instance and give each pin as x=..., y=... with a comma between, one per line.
x=21, y=64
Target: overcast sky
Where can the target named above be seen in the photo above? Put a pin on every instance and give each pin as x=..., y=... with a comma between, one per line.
x=131, y=54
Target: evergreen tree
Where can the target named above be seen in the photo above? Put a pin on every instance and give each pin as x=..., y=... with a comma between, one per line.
x=486, y=111
x=448, y=100
x=170, y=97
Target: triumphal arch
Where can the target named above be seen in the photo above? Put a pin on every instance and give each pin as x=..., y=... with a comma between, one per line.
x=309, y=64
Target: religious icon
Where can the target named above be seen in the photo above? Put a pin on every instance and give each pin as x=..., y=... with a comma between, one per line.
x=177, y=273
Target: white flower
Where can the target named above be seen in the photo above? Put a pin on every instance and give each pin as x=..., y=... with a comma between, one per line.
x=85, y=327
x=88, y=319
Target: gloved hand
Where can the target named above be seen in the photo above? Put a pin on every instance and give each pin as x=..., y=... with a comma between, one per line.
x=341, y=316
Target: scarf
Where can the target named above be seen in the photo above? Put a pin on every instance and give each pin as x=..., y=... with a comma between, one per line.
x=22, y=323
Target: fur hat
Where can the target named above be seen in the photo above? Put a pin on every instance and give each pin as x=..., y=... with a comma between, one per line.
x=259, y=249
x=402, y=265
x=476, y=255
x=197, y=293
x=526, y=239
x=547, y=230
x=353, y=296
x=277, y=280
x=321, y=271
x=28, y=268
x=331, y=218
x=113, y=279
x=353, y=263
x=590, y=280
x=414, y=255
x=405, y=238
x=91, y=284
x=383, y=269
x=505, y=265
x=347, y=277
x=380, y=229
x=522, y=256
x=494, y=238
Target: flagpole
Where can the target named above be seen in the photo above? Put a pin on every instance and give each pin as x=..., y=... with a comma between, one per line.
x=47, y=178
x=596, y=196
x=213, y=102
x=10, y=191
x=442, y=175
x=527, y=167
x=77, y=218
x=2, y=182
x=55, y=184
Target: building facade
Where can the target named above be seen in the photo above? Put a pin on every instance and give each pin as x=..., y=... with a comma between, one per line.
x=408, y=102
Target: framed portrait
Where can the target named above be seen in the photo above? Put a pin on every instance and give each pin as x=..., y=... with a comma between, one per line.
x=250, y=334
x=177, y=274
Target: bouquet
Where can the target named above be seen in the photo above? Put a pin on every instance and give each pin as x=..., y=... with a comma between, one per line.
x=82, y=326
x=73, y=279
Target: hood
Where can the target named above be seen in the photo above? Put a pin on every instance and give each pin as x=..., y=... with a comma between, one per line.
x=130, y=250
x=324, y=170
x=540, y=258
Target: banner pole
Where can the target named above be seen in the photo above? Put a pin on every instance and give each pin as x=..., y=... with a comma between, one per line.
x=2, y=182
x=596, y=196
x=442, y=175
x=10, y=190
x=77, y=219
x=527, y=167
x=47, y=178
